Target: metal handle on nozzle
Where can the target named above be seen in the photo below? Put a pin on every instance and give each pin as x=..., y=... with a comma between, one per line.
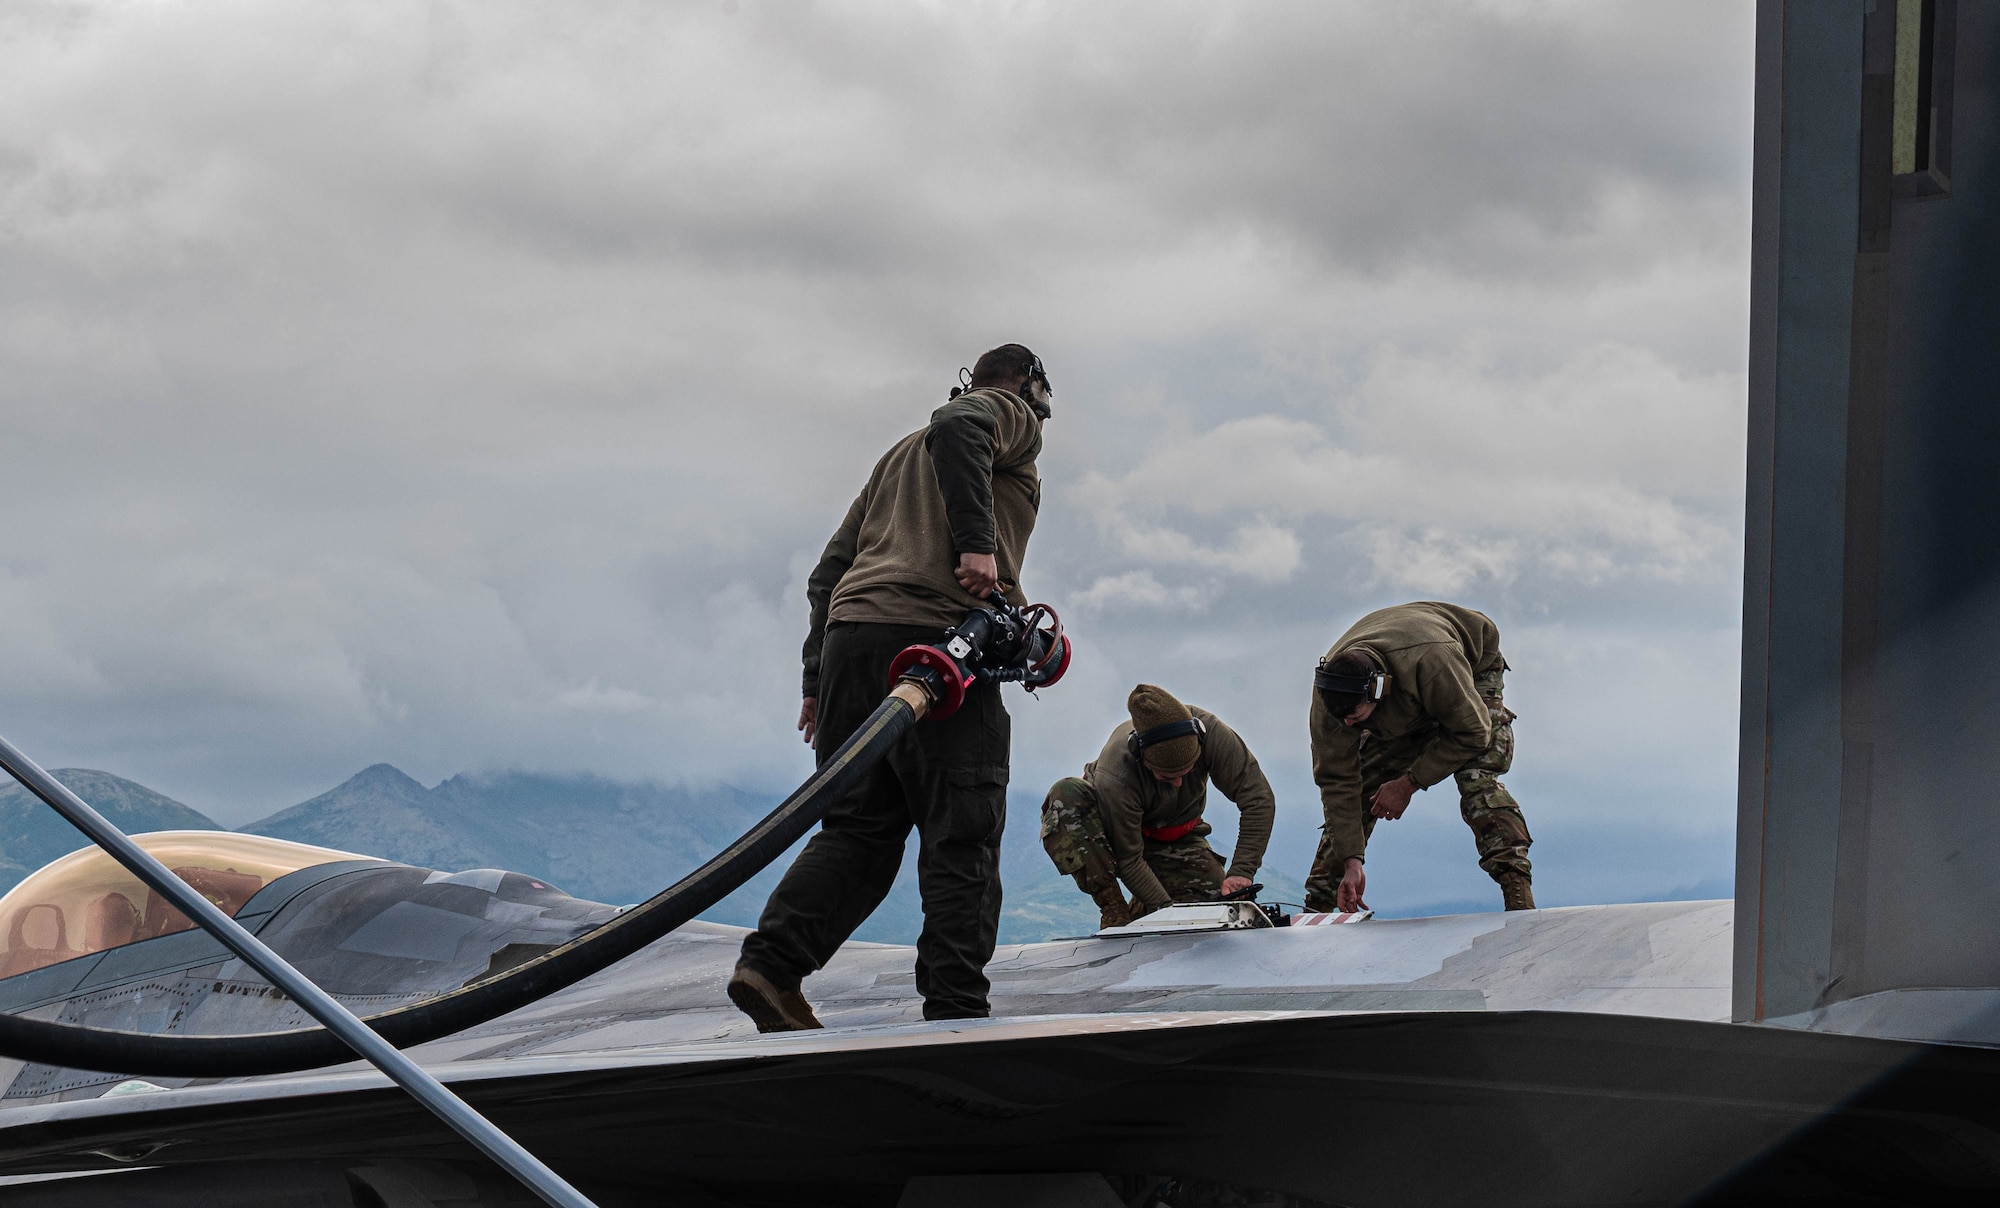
x=1001, y=643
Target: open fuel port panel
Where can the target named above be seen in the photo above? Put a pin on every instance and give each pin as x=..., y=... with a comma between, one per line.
x=1182, y=917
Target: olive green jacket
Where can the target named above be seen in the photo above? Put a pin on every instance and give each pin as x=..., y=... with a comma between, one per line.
x=1431, y=651
x=964, y=484
x=1129, y=800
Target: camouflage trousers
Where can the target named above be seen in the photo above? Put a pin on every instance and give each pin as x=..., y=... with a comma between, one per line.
x=1073, y=835
x=1498, y=830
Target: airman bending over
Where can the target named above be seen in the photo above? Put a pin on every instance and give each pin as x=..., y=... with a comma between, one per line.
x=1135, y=815
x=1409, y=696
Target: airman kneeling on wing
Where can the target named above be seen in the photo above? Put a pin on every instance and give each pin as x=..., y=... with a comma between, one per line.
x=1135, y=815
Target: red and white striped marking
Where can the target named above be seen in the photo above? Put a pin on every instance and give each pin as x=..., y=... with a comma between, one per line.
x=1328, y=920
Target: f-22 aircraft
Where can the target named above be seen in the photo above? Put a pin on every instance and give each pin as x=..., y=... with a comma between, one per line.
x=1831, y=1037
x=1205, y=1057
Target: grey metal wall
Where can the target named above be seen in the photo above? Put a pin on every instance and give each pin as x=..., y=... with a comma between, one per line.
x=1868, y=854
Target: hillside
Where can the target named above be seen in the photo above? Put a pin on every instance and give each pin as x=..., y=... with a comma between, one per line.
x=595, y=838
x=617, y=842
x=598, y=839
x=32, y=834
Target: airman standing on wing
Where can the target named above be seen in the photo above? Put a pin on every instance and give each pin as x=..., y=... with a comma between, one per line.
x=1409, y=696
x=944, y=520
x=1135, y=815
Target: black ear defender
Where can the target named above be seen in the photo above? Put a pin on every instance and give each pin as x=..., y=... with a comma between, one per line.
x=1139, y=740
x=1373, y=686
x=1036, y=373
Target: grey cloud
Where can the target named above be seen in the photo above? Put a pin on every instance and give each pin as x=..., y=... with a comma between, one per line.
x=1430, y=499
x=473, y=388
x=1371, y=134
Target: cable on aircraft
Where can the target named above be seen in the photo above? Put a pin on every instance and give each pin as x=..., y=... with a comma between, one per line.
x=1001, y=643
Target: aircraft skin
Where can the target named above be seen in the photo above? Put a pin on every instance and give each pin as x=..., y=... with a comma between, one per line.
x=1584, y=1051
x=375, y=933
x=378, y=934
x=1558, y=1057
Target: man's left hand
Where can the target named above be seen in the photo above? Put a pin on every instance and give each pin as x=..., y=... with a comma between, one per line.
x=1232, y=884
x=1393, y=798
x=978, y=574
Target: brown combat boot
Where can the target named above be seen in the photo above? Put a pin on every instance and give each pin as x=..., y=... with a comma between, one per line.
x=772, y=1009
x=1517, y=892
x=1114, y=912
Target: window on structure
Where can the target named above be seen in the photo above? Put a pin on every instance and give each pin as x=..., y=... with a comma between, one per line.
x=1920, y=145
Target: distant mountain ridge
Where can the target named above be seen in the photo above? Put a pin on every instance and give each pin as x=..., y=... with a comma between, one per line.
x=605, y=840
x=621, y=842
x=600, y=839
x=32, y=834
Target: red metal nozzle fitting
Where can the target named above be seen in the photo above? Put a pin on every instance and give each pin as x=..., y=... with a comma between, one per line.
x=952, y=678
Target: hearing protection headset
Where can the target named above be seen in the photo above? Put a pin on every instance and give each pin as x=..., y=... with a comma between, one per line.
x=1036, y=373
x=1141, y=739
x=1373, y=686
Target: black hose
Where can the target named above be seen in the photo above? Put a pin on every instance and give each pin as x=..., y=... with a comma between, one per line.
x=86, y=1048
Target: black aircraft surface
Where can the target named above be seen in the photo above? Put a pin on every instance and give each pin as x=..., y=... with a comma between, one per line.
x=1831, y=1037
x=1204, y=1058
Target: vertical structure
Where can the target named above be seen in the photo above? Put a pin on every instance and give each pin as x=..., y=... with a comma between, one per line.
x=1868, y=852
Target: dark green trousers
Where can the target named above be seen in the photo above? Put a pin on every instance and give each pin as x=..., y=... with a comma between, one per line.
x=948, y=779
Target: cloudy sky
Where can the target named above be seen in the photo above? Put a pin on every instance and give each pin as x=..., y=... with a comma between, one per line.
x=471, y=385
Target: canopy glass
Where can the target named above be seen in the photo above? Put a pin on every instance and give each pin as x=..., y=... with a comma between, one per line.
x=86, y=902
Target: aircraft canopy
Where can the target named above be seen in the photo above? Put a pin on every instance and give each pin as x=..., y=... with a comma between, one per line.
x=87, y=902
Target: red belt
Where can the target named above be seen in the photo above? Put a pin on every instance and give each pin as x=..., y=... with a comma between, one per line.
x=1167, y=834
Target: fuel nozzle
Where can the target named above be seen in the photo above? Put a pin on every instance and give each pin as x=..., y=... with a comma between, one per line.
x=999, y=642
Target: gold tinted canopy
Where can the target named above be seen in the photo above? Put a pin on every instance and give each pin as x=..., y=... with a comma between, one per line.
x=86, y=902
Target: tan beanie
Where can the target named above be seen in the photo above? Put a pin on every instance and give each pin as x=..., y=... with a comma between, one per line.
x=1152, y=706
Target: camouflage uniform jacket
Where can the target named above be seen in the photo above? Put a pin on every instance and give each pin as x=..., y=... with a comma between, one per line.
x=1130, y=801
x=1431, y=652
x=964, y=484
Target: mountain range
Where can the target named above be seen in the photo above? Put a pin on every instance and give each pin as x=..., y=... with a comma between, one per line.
x=597, y=839
x=604, y=840
x=32, y=834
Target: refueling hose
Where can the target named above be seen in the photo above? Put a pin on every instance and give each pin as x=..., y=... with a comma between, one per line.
x=234, y=1056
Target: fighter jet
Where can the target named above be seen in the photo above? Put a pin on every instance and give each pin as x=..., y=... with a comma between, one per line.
x=1833, y=1037
x=1202, y=1056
